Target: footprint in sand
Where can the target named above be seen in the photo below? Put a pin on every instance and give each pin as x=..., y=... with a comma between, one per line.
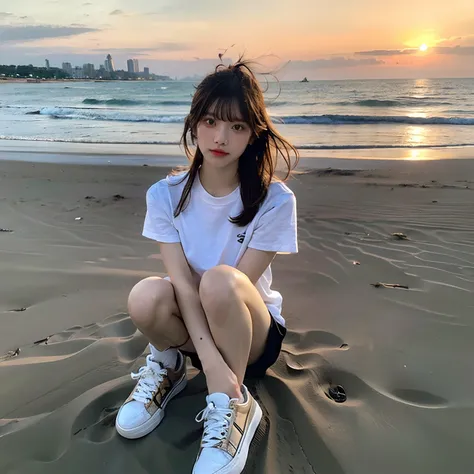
x=308, y=350
x=117, y=325
x=303, y=341
x=103, y=429
x=419, y=398
x=304, y=346
x=68, y=343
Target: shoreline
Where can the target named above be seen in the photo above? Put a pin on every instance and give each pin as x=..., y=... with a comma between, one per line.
x=172, y=155
x=25, y=80
x=449, y=173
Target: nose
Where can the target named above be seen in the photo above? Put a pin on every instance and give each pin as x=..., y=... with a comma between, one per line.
x=221, y=135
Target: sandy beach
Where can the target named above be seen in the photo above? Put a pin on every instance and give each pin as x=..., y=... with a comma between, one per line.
x=403, y=355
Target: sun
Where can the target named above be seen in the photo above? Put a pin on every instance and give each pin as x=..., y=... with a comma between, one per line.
x=423, y=47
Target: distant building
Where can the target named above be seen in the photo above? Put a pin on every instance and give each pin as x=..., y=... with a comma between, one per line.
x=46, y=63
x=133, y=66
x=78, y=73
x=109, y=64
x=67, y=68
x=146, y=72
x=89, y=71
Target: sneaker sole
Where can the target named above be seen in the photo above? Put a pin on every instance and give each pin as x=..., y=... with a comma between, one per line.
x=157, y=417
x=237, y=465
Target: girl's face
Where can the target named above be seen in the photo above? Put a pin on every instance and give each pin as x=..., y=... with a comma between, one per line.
x=221, y=142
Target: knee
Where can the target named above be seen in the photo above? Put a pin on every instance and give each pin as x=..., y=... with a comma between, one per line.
x=149, y=301
x=219, y=286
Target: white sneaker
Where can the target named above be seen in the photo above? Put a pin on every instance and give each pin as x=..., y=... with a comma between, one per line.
x=229, y=427
x=144, y=409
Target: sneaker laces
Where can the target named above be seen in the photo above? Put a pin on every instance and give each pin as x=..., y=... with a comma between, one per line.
x=216, y=424
x=148, y=380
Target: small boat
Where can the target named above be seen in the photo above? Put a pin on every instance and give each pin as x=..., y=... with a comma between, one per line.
x=305, y=80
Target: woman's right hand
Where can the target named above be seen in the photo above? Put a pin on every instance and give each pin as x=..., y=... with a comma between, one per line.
x=221, y=379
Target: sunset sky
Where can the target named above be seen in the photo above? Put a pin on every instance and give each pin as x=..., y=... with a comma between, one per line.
x=341, y=39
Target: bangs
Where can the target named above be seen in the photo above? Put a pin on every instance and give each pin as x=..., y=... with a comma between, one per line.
x=228, y=109
x=223, y=96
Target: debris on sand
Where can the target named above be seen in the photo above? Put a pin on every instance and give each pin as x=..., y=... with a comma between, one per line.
x=336, y=172
x=337, y=393
x=399, y=236
x=389, y=285
x=10, y=355
x=42, y=341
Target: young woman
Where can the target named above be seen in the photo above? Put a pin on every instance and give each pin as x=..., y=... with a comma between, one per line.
x=219, y=224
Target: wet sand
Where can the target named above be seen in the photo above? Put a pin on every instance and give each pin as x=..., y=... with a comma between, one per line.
x=403, y=356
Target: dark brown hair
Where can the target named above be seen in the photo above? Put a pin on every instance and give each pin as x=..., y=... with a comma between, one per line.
x=223, y=90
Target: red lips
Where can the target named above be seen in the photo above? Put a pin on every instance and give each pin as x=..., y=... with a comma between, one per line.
x=218, y=152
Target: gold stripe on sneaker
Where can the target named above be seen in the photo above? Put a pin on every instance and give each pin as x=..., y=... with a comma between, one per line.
x=242, y=413
x=162, y=391
x=238, y=428
x=232, y=450
x=235, y=436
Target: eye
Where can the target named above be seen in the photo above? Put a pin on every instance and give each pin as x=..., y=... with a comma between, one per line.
x=209, y=121
x=238, y=127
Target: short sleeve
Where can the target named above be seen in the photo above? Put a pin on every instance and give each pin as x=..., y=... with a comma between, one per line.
x=159, y=215
x=276, y=229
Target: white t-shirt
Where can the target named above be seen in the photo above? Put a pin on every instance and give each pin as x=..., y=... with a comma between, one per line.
x=208, y=237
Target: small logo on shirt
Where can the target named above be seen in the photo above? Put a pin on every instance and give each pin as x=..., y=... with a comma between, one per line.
x=240, y=238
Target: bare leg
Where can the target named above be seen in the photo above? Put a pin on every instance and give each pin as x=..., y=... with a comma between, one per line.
x=153, y=309
x=238, y=319
x=236, y=314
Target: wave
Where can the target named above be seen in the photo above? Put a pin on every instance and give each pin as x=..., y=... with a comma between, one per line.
x=100, y=114
x=273, y=103
x=129, y=102
x=423, y=97
x=461, y=111
x=335, y=119
x=176, y=143
x=381, y=147
x=326, y=119
x=78, y=140
x=15, y=107
x=391, y=103
x=111, y=102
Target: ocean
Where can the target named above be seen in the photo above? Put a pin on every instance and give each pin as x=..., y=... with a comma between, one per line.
x=318, y=115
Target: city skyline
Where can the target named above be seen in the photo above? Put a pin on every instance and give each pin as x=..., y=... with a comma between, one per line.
x=180, y=38
x=106, y=71
x=132, y=65
x=88, y=70
x=107, y=66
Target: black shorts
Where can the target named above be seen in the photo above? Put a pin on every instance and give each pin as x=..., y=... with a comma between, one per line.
x=276, y=334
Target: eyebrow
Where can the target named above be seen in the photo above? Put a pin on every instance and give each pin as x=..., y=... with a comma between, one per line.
x=210, y=114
